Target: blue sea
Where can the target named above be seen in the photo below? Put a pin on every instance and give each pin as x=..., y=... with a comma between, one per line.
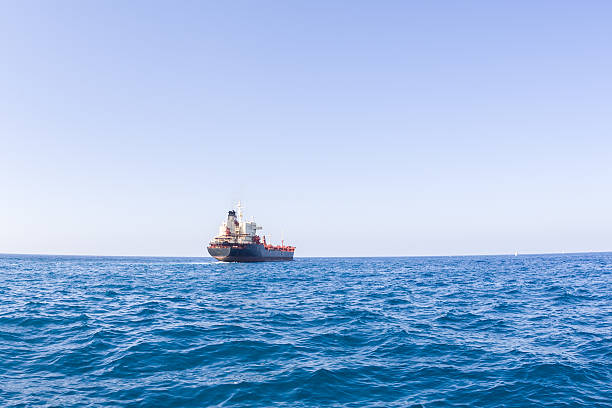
x=482, y=331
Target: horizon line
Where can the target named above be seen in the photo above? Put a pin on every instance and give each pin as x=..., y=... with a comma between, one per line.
x=302, y=257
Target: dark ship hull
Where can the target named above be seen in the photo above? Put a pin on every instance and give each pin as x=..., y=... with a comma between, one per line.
x=248, y=253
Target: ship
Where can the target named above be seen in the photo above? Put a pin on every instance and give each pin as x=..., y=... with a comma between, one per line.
x=238, y=241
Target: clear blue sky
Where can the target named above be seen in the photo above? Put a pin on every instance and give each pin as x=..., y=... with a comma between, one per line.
x=357, y=128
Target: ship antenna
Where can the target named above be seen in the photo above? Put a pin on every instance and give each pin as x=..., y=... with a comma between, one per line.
x=240, y=211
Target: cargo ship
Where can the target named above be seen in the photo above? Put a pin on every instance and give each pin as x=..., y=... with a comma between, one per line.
x=238, y=241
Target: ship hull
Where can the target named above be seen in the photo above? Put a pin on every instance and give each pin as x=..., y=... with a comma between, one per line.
x=248, y=253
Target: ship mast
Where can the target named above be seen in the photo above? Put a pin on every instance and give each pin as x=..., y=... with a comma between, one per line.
x=239, y=211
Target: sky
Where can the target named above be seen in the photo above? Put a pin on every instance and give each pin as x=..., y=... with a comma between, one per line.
x=350, y=128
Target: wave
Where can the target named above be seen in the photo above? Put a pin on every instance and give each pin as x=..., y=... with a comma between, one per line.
x=385, y=332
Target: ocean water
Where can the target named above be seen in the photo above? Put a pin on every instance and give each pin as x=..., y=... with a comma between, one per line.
x=336, y=332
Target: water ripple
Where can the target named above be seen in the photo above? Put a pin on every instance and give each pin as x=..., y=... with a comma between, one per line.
x=344, y=332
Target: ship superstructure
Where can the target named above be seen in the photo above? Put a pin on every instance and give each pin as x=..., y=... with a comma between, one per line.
x=238, y=241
